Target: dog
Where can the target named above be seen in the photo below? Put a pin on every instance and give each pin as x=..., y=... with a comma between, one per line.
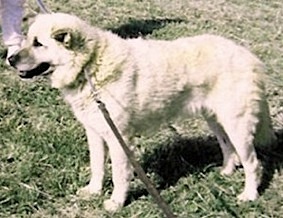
x=146, y=83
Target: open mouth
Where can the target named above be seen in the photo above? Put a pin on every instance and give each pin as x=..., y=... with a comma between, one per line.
x=41, y=69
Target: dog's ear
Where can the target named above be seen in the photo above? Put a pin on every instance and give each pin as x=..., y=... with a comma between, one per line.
x=63, y=36
x=70, y=39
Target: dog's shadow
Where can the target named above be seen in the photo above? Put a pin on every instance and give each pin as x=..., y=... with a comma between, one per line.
x=139, y=28
x=177, y=157
x=182, y=156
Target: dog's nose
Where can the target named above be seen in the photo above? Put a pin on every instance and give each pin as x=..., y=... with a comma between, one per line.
x=13, y=60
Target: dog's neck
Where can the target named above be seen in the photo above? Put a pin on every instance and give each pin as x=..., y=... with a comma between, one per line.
x=102, y=65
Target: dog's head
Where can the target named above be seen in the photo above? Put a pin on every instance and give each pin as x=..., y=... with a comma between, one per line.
x=56, y=44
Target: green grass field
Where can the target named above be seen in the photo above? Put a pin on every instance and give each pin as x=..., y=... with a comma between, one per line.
x=43, y=149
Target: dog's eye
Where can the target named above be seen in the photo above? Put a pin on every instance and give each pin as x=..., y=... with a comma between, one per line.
x=36, y=43
x=60, y=37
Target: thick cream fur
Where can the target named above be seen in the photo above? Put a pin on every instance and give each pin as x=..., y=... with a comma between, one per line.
x=146, y=83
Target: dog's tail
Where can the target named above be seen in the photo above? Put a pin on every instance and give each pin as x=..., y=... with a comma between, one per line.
x=42, y=7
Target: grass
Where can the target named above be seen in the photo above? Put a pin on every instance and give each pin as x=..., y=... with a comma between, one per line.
x=43, y=149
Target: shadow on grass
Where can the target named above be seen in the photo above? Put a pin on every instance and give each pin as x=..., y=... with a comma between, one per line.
x=137, y=28
x=272, y=160
x=183, y=156
x=177, y=158
x=180, y=157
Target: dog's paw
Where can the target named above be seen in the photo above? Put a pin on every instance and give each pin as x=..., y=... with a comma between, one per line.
x=88, y=191
x=111, y=205
x=227, y=171
x=248, y=196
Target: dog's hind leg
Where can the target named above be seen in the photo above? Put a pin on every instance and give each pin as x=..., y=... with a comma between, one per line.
x=230, y=158
x=241, y=129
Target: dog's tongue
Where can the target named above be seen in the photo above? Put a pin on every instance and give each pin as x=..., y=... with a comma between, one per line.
x=23, y=74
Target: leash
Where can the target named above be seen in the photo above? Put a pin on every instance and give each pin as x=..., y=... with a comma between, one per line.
x=42, y=7
x=137, y=167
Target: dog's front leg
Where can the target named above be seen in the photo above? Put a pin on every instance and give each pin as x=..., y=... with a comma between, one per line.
x=121, y=174
x=96, y=150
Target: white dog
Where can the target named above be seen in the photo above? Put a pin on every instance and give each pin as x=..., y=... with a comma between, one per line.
x=148, y=82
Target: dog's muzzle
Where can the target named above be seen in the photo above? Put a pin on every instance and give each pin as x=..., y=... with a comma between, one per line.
x=42, y=68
